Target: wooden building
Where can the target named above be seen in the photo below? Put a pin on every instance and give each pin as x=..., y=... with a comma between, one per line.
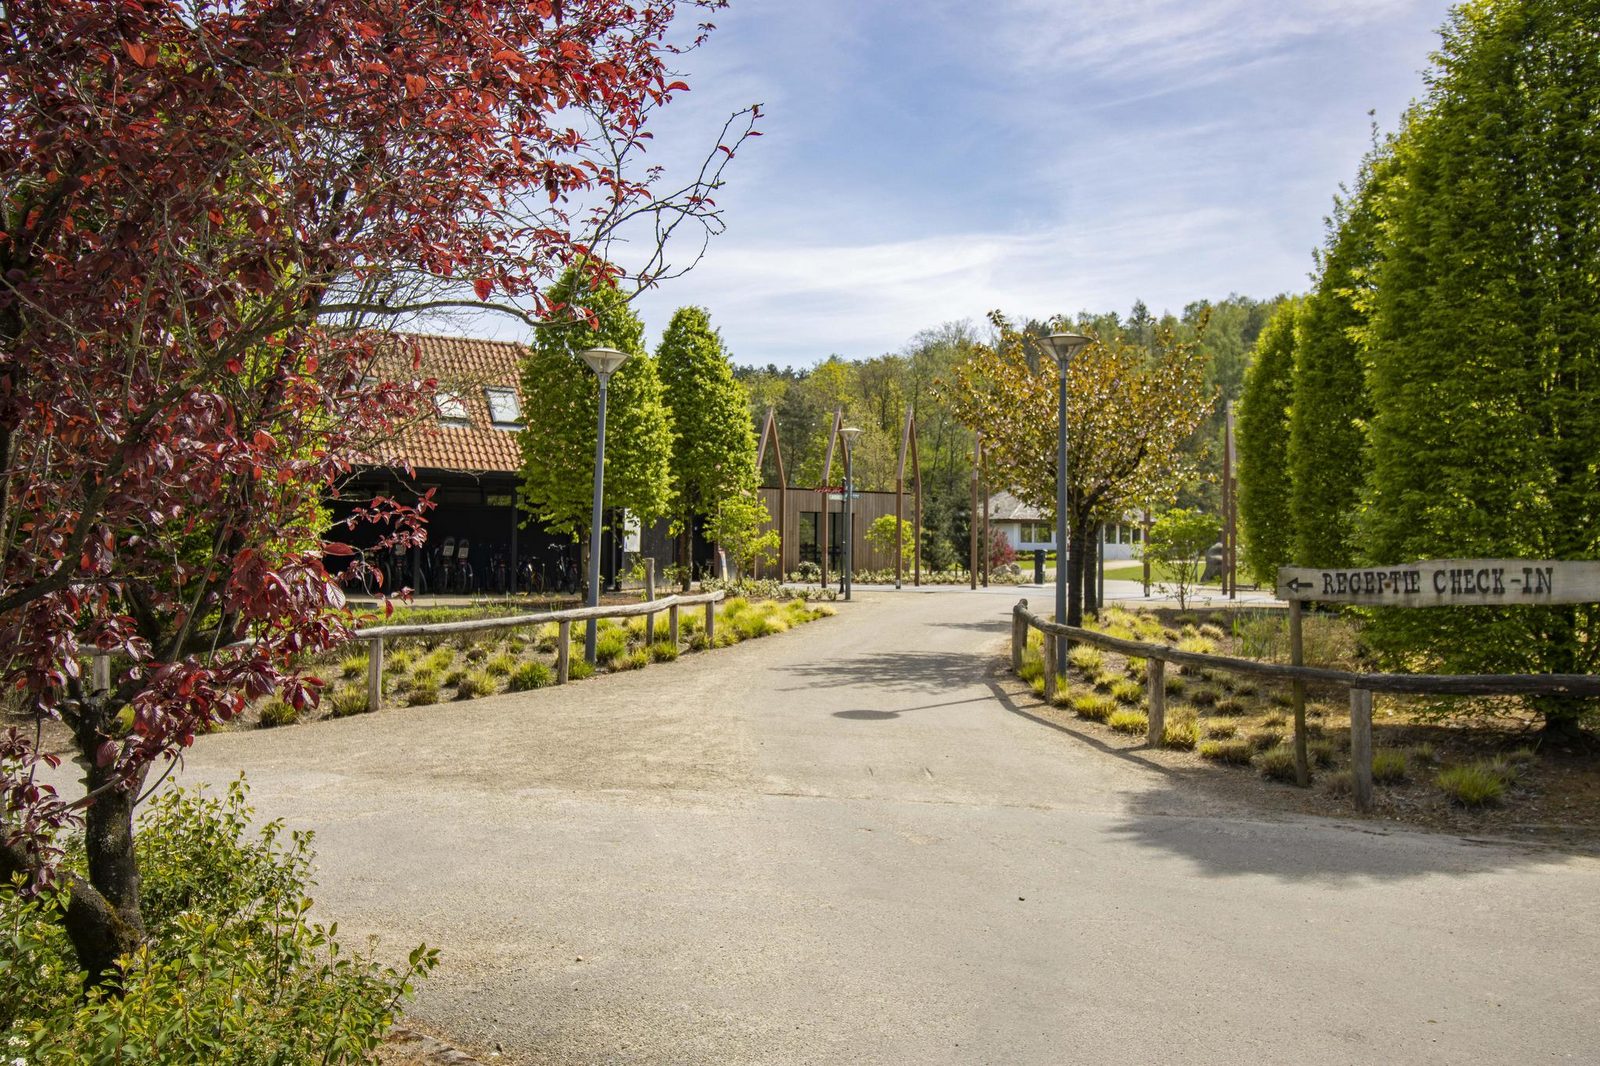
x=803, y=534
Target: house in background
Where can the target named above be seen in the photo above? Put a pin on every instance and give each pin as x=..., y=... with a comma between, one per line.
x=1026, y=528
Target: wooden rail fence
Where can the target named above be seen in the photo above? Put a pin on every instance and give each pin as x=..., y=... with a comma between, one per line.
x=1361, y=686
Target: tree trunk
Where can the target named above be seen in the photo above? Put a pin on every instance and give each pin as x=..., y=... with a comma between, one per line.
x=1076, y=547
x=685, y=551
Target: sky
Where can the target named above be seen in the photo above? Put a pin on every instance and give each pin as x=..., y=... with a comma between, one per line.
x=928, y=161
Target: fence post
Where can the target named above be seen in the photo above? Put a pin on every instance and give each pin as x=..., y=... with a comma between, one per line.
x=650, y=595
x=672, y=624
x=374, y=673
x=102, y=672
x=1050, y=667
x=563, y=651
x=1297, y=656
x=711, y=622
x=1155, y=673
x=1019, y=635
x=1361, y=746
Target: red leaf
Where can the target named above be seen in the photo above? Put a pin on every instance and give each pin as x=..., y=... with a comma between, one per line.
x=483, y=287
x=141, y=54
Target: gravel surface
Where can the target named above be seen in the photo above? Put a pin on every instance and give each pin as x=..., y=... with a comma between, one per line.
x=854, y=843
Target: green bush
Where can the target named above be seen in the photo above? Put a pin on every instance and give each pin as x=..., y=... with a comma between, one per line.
x=1390, y=766
x=1087, y=659
x=1277, y=763
x=422, y=692
x=1232, y=752
x=347, y=701
x=231, y=973
x=1128, y=721
x=1221, y=730
x=579, y=669
x=1137, y=668
x=1181, y=733
x=276, y=712
x=352, y=666
x=663, y=651
x=1479, y=784
x=1127, y=691
x=533, y=675
x=1095, y=708
x=610, y=646
x=475, y=684
x=501, y=665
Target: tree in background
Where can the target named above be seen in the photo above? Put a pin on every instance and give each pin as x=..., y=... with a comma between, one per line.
x=558, y=445
x=714, y=443
x=1179, y=540
x=881, y=535
x=1129, y=413
x=1330, y=406
x=209, y=210
x=1484, y=337
x=1265, y=488
x=738, y=523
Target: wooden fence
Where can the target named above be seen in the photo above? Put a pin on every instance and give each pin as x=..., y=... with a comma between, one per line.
x=1361, y=686
x=376, y=635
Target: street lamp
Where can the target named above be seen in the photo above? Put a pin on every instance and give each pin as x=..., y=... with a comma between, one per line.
x=604, y=362
x=849, y=433
x=1062, y=346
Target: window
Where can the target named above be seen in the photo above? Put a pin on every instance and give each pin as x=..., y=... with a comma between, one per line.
x=452, y=411
x=1036, y=533
x=810, y=524
x=505, y=410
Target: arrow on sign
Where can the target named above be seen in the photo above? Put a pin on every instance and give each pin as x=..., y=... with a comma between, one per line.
x=1295, y=584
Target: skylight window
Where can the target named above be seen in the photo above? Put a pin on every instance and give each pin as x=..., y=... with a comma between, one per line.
x=505, y=410
x=452, y=411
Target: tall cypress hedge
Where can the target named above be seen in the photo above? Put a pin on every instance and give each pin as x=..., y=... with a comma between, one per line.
x=1265, y=488
x=1484, y=335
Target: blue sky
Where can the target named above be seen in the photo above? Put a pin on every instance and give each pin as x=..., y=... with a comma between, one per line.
x=929, y=161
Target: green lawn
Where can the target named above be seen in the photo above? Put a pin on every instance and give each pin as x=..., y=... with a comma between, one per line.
x=1134, y=571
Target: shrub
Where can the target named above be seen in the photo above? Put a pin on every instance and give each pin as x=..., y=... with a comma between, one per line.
x=231, y=973
x=1126, y=691
x=1106, y=682
x=475, y=684
x=532, y=675
x=636, y=661
x=1063, y=696
x=1137, y=668
x=611, y=646
x=1197, y=645
x=347, y=701
x=1277, y=763
x=663, y=651
x=1275, y=721
x=1203, y=697
x=352, y=666
x=398, y=660
x=1231, y=752
x=1174, y=684
x=1212, y=632
x=1095, y=708
x=1478, y=784
x=1390, y=766
x=1264, y=739
x=1182, y=733
x=1221, y=730
x=579, y=669
x=1087, y=659
x=1246, y=689
x=1128, y=721
x=1320, y=753
x=1340, y=784
x=699, y=642
x=276, y=712
x=422, y=692
x=455, y=677
x=501, y=665
x=439, y=659
x=1279, y=698
x=1233, y=706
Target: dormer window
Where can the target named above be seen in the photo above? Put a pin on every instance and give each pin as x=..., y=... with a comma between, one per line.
x=452, y=411
x=505, y=410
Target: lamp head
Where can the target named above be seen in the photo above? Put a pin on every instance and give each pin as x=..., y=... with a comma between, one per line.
x=1063, y=346
x=603, y=361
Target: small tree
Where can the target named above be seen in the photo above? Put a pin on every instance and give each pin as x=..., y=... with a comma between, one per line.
x=1265, y=489
x=559, y=442
x=714, y=445
x=881, y=535
x=1179, y=540
x=1001, y=553
x=741, y=525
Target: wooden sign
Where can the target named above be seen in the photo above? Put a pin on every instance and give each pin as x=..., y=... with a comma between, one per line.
x=1446, y=583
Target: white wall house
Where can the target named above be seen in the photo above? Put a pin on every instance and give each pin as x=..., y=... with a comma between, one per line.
x=1027, y=528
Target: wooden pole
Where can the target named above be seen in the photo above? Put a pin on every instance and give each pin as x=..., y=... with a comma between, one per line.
x=899, y=528
x=672, y=624
x=822, y=535
x=1019, y=636
x=983, y=494
x=711, y=623
x=1050, y=640
x=1361, y=746
x=563, y=652
x=649, y=596
x=374, y=673
x=916, y=473
x=1144, y=551
x=1230, y=545
x=1156, y=694
x=1297, y=657
x=102, y=672
x=972, y=520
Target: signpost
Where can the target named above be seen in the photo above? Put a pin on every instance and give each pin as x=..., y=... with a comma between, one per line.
x=1436, y=583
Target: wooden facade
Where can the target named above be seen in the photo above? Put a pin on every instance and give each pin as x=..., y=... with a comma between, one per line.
x=802, y=533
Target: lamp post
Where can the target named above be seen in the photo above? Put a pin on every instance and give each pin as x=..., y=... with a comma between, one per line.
x=849, y=433
x=604, y=362
x=1062, y=346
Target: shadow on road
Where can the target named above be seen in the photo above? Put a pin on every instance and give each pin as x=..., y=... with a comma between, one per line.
x=918, y=671
x=1229, y=824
